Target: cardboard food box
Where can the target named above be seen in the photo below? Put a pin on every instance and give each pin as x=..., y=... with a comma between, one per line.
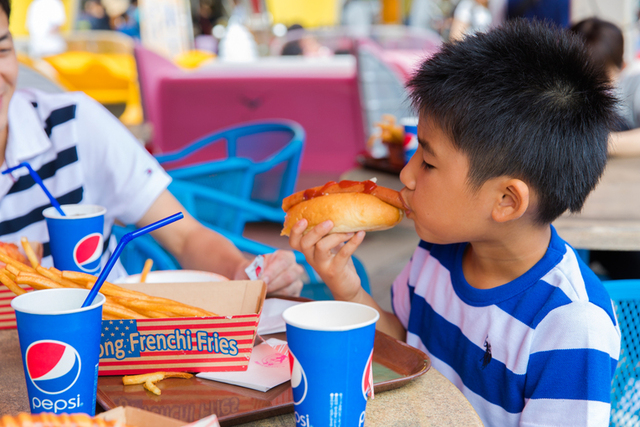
x=7, y=315
x=134, y=417
x=191, y=344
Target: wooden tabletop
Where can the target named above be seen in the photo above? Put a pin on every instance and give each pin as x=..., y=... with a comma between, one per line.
x=610, y=219
x=430, y=400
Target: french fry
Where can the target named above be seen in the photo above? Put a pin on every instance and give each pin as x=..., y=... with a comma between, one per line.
x=146, y=269
x=142, y=378
x=11, y=269
x=58, y=279
x=148, y=380
x=10, y=284
x=36, y=281
x=29, y=252
x=120, y=312
x=87, y=281
x=152, y=387
x=16, y=264
x=155, y=314
x=9, y=274
x=177, y=309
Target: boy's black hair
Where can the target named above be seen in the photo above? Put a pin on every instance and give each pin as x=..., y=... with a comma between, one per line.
x=522, y=100
x=603, y=39
x=6, y=7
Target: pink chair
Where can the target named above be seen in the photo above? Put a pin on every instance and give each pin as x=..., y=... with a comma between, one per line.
x=322, y=95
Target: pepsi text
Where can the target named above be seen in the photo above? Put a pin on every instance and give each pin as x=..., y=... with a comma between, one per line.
x=57, y=406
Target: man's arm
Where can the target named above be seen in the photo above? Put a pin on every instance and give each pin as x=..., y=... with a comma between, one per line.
x=192, y=244
x=197, y=247
x=625, y=143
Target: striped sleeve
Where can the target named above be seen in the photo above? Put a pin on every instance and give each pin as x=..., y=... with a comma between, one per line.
x=401, y=292
x=573, y=356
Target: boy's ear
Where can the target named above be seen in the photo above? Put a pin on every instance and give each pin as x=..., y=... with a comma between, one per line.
x=513, y=202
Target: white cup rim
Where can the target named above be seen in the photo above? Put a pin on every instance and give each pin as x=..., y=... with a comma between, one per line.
x=18, y=303
x=290, y=316
x=75, y=211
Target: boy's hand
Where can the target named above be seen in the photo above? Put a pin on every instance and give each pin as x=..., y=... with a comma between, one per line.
x=330, y=256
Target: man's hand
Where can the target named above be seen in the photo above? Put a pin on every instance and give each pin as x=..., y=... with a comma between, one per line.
x=281, y=273
x=330, y=255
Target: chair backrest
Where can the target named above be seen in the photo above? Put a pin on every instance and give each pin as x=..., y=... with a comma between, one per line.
x=260, y=163
x=625, y=388
x=322, y=95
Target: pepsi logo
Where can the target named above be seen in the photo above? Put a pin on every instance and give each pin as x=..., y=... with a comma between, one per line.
x=367, y=378
x=52, y=366
x=87, y=252
x=299, y=383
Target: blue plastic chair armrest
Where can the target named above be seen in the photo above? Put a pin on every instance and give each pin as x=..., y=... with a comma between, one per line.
x=189, y=189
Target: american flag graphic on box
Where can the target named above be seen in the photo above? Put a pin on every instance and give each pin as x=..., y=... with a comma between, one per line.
x=195, y=344
x=7, y=315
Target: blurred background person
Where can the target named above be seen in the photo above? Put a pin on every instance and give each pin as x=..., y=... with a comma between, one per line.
x=129, y=22
x=303, y=43
x=44, y=19
x=93, y=16
x=470, y=17
x=605, y=43
x=556, y=11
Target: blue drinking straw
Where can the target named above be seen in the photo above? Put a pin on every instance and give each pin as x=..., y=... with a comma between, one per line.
x=116, y=253
x=38, y=181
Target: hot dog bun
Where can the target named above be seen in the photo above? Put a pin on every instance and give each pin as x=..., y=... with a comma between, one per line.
x=349, y=212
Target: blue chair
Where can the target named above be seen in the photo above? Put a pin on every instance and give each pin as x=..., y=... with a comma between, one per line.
x=256, y=162
x=137, y=251
x=625, y=390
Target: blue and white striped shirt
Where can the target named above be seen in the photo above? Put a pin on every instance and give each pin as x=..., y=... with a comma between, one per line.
x=538, y=351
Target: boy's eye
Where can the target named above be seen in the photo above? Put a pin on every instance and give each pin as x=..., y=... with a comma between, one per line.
x=426, y=165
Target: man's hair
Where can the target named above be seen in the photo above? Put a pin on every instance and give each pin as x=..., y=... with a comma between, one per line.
x=522, y=100
x=6, y=7
x=603, y=40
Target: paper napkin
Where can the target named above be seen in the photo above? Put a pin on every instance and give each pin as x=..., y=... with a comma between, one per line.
x=271, y=321
x=268, y=367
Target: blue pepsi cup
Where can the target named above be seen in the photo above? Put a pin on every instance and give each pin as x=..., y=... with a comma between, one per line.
x=76, y=240
x=331, y=355
x=410, y=144
x=60, y=346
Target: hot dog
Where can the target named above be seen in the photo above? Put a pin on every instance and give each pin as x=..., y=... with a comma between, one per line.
x=351, y=205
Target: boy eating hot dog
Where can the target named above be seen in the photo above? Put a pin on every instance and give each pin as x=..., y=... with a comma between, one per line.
x=513, y=132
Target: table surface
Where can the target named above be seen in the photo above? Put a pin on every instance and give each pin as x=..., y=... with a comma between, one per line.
x=610, y=218
x=430, y=400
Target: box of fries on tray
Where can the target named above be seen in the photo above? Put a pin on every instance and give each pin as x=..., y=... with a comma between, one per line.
x=135, y=417
x=149, y=327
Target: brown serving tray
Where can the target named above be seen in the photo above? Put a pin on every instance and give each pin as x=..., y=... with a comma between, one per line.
x=394, y=364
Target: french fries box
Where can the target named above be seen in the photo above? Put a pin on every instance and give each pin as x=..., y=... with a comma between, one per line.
x=7, y=315
x=191, y=344
x=134, y=417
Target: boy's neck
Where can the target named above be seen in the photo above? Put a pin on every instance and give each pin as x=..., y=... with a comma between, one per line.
x=489, y=264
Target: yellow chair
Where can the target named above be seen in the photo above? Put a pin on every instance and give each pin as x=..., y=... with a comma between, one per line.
x=100, y=64
x=309, y=14
x=193, y=59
